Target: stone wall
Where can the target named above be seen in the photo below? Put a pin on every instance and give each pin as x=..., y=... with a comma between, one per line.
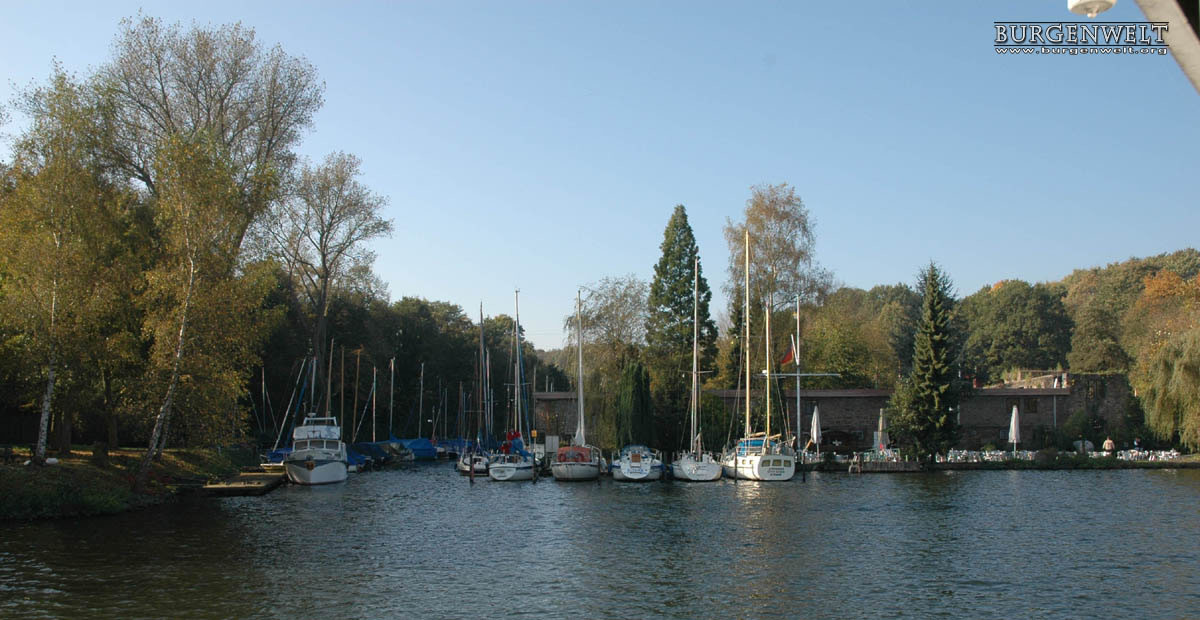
x=850, y=417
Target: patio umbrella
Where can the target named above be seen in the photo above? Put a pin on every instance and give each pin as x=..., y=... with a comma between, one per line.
x=815, y=432
x=881, y=435
x=1014, y=429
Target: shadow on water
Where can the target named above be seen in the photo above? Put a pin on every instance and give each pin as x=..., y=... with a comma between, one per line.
x=423, y=542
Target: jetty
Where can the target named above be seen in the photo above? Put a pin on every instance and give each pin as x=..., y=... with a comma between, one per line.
x=251, y=483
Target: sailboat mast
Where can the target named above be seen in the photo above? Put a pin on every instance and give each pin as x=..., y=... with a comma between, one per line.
x=421, y=401
x=796, y=353
x=695, y=352
x=517, y=360
x=767, y=439
x=329, y=378
x=391, y=392
x=579, y=435
x=746, y=341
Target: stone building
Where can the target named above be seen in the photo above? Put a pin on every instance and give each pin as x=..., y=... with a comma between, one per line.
x=850, y=417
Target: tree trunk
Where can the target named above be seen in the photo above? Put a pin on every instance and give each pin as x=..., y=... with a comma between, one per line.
x=164, y=412
x=110, y=410
x=44, y=424
x=63, y=428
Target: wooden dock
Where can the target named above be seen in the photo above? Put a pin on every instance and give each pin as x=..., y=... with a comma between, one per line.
x=245, y=483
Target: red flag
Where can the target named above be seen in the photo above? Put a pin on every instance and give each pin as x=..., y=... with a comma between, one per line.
x=790, y=358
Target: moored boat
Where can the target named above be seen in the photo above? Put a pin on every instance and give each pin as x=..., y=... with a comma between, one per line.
x=637, y=463
x=579, y=461
x=696, y=465
x=318, y=454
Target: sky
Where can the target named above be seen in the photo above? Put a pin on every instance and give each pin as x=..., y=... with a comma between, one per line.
x=542, y=146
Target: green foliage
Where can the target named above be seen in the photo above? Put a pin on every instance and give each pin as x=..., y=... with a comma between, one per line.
x=925, y=401
x=635, y=411
x=670, y=326
x=1172, y=389
x=1013, y=325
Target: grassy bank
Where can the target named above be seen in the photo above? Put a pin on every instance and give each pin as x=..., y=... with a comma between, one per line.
x=81, y=484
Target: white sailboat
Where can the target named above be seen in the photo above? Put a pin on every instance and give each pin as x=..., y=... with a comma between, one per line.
x=637, y=463
x=696, y=465
x=578, y=461
x=318, y=454
x=517, y=464
x=758, y=456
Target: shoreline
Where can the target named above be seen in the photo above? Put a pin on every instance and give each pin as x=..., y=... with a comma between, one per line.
x=82, y=484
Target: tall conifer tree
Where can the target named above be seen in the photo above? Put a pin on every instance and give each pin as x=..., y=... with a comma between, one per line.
x=669, y=328
x=927, y=401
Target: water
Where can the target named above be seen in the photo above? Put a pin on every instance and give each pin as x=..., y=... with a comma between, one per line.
x=423, y=543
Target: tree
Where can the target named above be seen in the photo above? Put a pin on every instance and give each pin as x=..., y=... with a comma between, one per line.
x=783, y=247
x=926, y=401
x=635, y=411
x=319, y=233
x=198, y=197
x=54, y=230
x=669, y=327
x=1162, y=332
x=783, y=264
x=254, y=103
x=614, y=331
x=1013, y=325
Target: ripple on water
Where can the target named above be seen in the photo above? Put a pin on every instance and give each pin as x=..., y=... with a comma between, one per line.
x=423, y=542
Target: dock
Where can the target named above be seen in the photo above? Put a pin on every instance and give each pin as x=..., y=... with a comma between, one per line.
x=246, y=483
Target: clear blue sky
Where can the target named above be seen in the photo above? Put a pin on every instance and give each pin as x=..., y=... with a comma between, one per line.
x=543, y=145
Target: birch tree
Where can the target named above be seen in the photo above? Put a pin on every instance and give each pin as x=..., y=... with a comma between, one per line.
x=198, y=199
x=51, y=225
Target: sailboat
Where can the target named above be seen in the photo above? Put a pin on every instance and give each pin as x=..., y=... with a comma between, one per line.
x=515, y=463
x=474, y=460
x=637, y=463
x=758, y=456
x=578, y=461
x=696, y=465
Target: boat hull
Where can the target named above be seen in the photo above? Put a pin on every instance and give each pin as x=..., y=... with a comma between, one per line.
x=692, y=470
x=510, y=473
x=637, y=472
x=314, y=472
x=765, y=467
x=571, y=471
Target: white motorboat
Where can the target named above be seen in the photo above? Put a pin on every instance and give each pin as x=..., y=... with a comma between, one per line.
x=637, y=463
x=318, y=454
x=696, y=465
x=579, y=461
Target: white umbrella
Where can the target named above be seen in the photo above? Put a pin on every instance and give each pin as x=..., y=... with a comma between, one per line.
x=815, y=432
x=1014, y=429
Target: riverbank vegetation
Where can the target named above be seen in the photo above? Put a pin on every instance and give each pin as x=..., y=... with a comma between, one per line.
x=94, y=481
x=167, y=260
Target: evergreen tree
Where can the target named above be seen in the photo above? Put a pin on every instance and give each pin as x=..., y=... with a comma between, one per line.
x=926, y=402
x=669, y=327
x=635, y=411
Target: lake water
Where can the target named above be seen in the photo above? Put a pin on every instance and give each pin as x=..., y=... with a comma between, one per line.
x=422, y=542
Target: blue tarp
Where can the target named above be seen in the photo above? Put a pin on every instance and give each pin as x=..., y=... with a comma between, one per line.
x=277, y=456
x=421, y=448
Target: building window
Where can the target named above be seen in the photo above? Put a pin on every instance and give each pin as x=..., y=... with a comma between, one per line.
x=1031, y=405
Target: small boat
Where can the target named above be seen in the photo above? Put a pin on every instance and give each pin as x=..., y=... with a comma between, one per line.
x=318, y=455
x=696, y=465
x=579, y=461
x=473, y=460
x=637, y=463
x=511, y=467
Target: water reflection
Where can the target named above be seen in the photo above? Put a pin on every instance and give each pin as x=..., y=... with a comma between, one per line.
x=423, y=542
